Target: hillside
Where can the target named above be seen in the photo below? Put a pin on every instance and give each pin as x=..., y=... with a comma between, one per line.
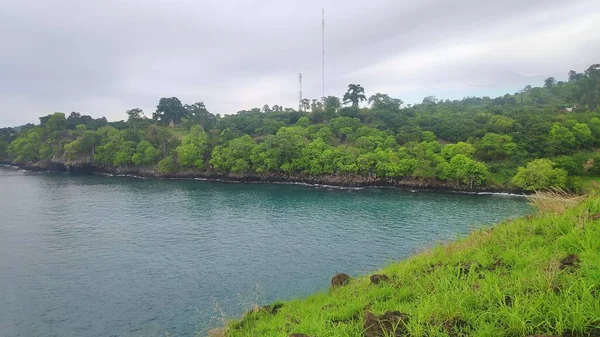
x=538, y=275
x=536, y=138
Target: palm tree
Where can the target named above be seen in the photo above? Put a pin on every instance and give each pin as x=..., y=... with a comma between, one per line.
x=355, y=94
x=305, y=104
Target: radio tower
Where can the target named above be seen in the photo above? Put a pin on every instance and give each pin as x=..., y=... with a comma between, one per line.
x=323, y=47
x=300, y=99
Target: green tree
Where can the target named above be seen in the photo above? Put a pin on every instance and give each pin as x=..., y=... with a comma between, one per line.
x=463, y=170
x=452, y=150
x=539, y=174
x=234, y=156
x=169, y=111
x=561, y=140
x=167, y=165
x=549, y=82
x=384, y=102
x=354, y=95
x=193, y=146
x=583, y=135
x=145, y=154
x=134, y=117
x=495, y=147
x=26, y=148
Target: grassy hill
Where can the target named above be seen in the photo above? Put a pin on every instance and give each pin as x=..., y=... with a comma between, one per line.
x=538, y=275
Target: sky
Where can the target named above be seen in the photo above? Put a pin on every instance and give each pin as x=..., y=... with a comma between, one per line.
x=105, y=57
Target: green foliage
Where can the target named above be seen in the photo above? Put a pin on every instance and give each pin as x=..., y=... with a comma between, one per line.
x=167, y=165
x=540, y=174
x=561, y=140
x=169, y=110
x=355, y=94
x=495, y=147
x=145, y=154
x=83, y=146
x=583, y=135
x=193, y=146
x=25, y=149
x=234, y=156
x=452, y=150
x=463, y=170
x=385, y=140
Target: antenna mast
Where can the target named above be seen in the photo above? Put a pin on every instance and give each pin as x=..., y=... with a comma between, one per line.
x=323, y=47
x=300, y=99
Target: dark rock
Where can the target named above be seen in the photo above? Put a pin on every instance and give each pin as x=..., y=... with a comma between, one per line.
x=572, y=260
x=272, y=308
x=392, y=323
x=340, y=280
x=595, y=216
x=455, y=326
x=379, y=278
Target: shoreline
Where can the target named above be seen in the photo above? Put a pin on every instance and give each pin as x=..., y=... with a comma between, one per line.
x=354, y=182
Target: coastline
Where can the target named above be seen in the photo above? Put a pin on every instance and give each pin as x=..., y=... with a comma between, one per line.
x=321, y=181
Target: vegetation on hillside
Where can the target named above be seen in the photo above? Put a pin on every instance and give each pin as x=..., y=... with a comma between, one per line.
x=538, y=137
x=533, y=276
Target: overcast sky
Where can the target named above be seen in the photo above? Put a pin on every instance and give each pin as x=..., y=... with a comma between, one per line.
x=104, y=57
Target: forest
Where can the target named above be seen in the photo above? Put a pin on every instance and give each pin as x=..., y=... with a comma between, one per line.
x=536, y=138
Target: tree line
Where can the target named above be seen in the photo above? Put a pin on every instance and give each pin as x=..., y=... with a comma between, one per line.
x=535, y=138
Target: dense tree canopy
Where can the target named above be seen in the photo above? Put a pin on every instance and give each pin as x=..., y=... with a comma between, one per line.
x=536, y=138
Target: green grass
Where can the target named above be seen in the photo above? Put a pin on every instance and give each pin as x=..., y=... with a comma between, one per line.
x=503, y=281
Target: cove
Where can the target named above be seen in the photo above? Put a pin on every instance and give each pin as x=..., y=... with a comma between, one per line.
x=85, y=255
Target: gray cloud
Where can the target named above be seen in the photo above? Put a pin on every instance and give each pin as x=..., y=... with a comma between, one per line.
x=104, y=57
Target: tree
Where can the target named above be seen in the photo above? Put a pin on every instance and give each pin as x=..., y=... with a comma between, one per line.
x=561, y=140
x=191, y=151
x=331, y=103
x=145, y=154
x=539, y=174
x=305, y=104
x=549, y=82
x=463, y=170
x=316, y=106
x=452, y=150
x=583, y=135
x=430, y=101
x=169, y=111
x=234, y=156
x=354, y=95
x=384, y=102
x=134, y=116
x=198, y=114
x=495, y=147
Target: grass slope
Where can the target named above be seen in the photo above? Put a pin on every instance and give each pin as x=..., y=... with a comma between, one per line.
x=518, y=278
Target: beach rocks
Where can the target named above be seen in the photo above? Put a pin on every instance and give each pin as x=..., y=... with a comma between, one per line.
x=340, y=280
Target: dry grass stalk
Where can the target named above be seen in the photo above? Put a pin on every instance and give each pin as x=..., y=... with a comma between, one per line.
x=554, y=200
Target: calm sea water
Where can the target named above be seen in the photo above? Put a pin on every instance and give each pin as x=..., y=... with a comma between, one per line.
x=115, y=256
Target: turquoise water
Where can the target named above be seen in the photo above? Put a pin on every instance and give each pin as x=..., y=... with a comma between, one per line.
x=116, y=256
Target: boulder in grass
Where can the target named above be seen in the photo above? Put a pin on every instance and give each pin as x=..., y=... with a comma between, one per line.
x=392, y=323
x=340, y=280
x=379, y=278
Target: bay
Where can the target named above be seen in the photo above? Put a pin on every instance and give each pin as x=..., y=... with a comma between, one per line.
x=84, y=255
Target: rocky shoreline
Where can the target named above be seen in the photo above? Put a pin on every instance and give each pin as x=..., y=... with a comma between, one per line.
x=334, y=181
